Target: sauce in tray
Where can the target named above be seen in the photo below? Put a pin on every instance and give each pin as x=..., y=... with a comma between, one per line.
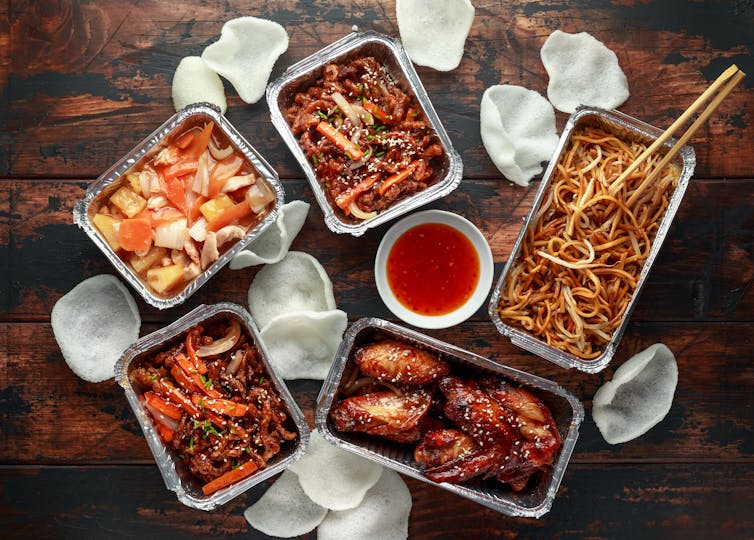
x=433, y=269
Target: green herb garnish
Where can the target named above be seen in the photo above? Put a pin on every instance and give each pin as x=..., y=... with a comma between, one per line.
x=323, y=116
x=191, y=444
x=314, y=158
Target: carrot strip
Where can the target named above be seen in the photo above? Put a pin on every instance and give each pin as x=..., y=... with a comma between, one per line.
x=204, y=385
x=166, y=434
x=234, y=213
x=340, y=140
x=176, y=193
x=163, y=405
x=345, y=199
x=181, y=168
x=395, y=178
x=183, y=379
x=381, y=115
x=176, y=396
x=230, y=477
x=222, y=406
x=197, y=362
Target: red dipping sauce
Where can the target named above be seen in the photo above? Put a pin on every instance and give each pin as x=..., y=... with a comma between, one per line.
x=432, y=269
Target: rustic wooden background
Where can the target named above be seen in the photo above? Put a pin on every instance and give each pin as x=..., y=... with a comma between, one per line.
x=83, y=82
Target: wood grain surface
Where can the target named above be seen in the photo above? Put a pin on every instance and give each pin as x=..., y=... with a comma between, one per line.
x=81, y=83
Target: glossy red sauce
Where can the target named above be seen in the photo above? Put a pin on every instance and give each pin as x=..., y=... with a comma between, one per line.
x=432, y=269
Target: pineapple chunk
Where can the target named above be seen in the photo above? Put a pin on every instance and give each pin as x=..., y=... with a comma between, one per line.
x=133, y=180
x=128, y=201
x=214, y=207
x=165, y=278
x=142, y=264
x=108, y=227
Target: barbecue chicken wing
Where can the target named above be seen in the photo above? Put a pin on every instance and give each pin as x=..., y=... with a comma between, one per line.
x=392, y=361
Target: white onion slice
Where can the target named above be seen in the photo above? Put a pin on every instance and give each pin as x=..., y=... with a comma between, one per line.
x=347, y=109
x=223, y=344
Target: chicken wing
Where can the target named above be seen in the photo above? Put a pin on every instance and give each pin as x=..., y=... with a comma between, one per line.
x=392, y=361
x=384, y=414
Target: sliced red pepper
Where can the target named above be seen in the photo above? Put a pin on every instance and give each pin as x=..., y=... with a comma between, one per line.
x=176, y=192
x=197, y=362
x=200, y=141
x=234, y=213
x=230, y=477
x=223, y=170
x=340, y=140
x=195, y=212
x=184, y=140
x=163, y=405
x=221, y=406
x=395, y=178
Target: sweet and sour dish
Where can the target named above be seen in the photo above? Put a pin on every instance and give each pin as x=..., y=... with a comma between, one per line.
x=367, y=140
x=461, y=424
x=213, y=403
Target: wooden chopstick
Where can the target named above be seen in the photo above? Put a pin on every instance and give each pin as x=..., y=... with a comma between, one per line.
x=732, y=76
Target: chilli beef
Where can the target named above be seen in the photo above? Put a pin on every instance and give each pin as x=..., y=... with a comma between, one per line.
x=368, y=141
x=212, y=402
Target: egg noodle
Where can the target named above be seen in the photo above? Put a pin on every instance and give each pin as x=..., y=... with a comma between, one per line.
x=584, y=249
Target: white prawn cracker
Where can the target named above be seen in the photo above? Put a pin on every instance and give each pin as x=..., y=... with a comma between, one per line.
x=638, y=397
x=272, y=245
x=245, y=54
x=302, y=345
x=518, y=131
x=434, y=32
x=285, y=510
x=583, y=71
x=334, y=478
x=382, y=515
x=194, y=82
x=297, y=283
x=93, y=324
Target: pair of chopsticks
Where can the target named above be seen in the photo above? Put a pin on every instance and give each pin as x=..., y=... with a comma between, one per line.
x=725, y=83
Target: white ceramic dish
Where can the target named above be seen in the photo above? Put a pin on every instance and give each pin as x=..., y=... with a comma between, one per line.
x=477, y=298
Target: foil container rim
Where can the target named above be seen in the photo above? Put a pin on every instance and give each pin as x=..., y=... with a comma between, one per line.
x=342, y=46
x=165, y=462
x=119, y=168
x=530, y=343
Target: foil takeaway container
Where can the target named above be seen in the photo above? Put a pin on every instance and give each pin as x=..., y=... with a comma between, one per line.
x=390, y=53
x=534, y=501
x=111, y=180
x=626, y=128
x=175, y=474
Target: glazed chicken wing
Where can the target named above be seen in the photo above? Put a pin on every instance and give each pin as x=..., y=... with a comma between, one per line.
x=384, y=414
x=392, y=361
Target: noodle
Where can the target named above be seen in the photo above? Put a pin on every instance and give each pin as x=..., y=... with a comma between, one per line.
x=584, y=250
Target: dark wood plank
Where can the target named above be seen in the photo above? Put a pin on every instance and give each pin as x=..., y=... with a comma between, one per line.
x=48, y=415
x=87, y=81
x=624, y=502
x=704, y=272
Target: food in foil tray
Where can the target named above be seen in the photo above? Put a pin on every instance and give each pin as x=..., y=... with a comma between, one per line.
x=368, y=141
x=582, y=256
x=212, y=401
x=463, y=425
x=171, y=217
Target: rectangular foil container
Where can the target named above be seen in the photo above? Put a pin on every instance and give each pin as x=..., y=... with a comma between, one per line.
x=176, y=476
x=389, y=53
x=534, y=501
x=109, y=182
x=626, y=127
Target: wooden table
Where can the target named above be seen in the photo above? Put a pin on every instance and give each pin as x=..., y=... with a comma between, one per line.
x=82, y=83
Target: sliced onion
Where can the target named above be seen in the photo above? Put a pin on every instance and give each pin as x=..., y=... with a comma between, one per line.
x=161, y=418
x=201, y=178
x=235, y=362
x=347, y=109
x=359, y=213
x=218, y=153
x=223, y=344
x=258, y=196
x=356, y=164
